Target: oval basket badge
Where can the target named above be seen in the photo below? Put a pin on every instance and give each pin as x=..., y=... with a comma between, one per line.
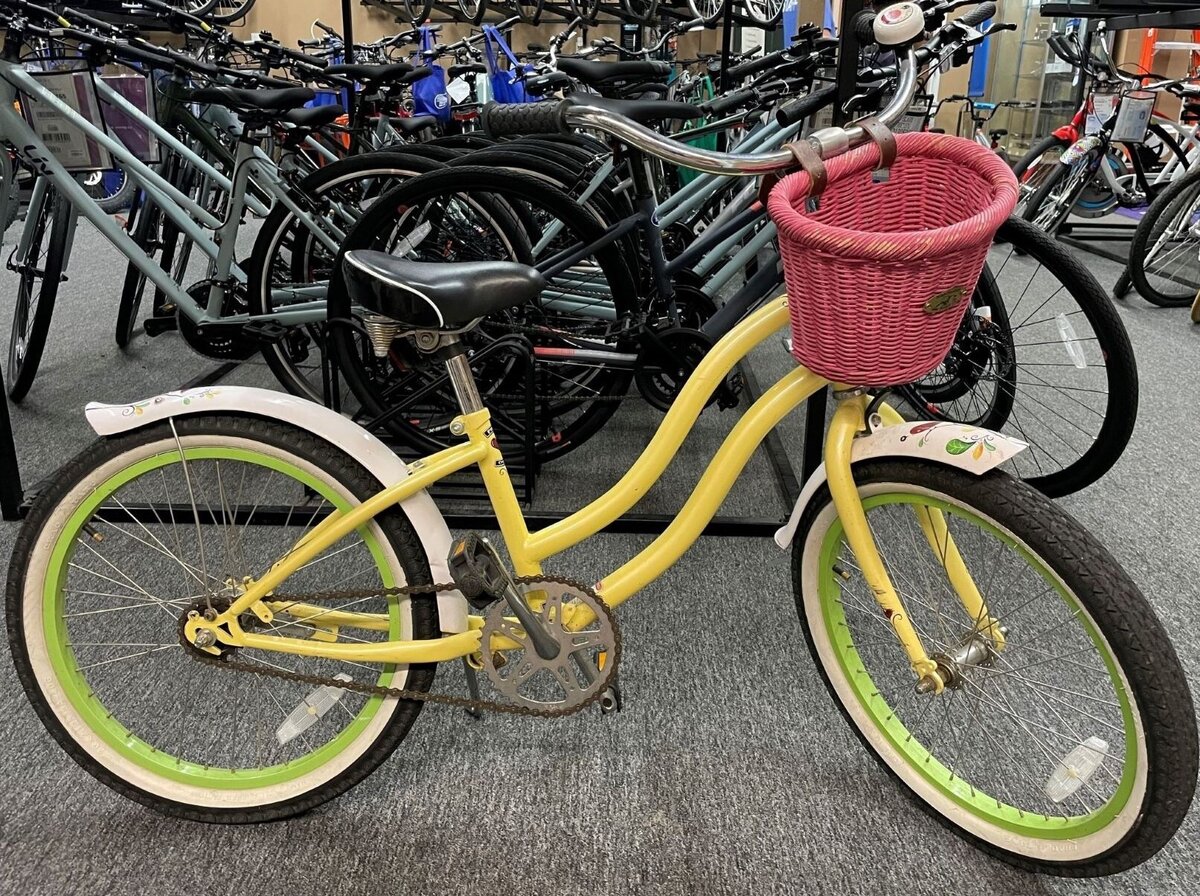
x=946, y=299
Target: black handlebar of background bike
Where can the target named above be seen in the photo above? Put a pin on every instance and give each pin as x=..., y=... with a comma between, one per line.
x=754, y=66
x=501, y=120
x=730, y=101
x=978, y=15
x=794, y=111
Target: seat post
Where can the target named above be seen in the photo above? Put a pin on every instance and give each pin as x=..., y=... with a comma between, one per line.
x=454, y=353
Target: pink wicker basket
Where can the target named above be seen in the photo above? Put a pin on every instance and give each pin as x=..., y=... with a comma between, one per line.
x=880, y=275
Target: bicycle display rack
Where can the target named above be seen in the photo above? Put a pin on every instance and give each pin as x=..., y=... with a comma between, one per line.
x=14, y=502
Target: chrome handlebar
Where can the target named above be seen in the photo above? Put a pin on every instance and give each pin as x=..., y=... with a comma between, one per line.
x=827, y=141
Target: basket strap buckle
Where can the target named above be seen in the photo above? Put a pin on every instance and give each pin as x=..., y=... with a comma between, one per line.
x=882, y=137
x=809, y=160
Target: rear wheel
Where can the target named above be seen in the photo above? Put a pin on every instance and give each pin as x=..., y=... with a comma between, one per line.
x=292, y=265
x=1041, y=356
x=561, y=363
x=1164, y=258
x=145, y=527
x=417, y=11
x=41, y=270
x=1067, y=748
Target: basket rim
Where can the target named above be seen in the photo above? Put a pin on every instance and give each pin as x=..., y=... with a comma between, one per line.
x=897, y=246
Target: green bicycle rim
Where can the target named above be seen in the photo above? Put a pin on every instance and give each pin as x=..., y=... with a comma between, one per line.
x=970, y=798
x=93, y=712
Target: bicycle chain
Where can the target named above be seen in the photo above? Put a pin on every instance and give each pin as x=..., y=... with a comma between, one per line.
x=228, y=663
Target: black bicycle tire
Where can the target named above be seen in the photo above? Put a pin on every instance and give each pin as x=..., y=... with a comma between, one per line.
x=481, y=8
x=21, y=373
x=1121, y=406
x=134, y=287
x=587, y=10
x=146, y=232
x=1146, y=231
x=601, y=203
x=644, y=16
x=228, y=18
x=1126, y=618
x=522, y=10
x=1169, y=140
x=1038, y=199
x=1038, y=150
x=486, y=181
x=280, y=220
x=417, y=11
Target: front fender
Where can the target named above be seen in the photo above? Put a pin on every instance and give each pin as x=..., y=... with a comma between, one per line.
x=380, y=461
x=969, y=448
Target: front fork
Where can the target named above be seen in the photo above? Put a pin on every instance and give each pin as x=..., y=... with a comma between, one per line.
x=848, y=421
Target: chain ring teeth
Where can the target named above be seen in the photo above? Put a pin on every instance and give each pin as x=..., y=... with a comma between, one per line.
x=229, y=664
x=529, y=680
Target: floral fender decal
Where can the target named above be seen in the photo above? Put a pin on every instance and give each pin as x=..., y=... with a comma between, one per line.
x=185, y=397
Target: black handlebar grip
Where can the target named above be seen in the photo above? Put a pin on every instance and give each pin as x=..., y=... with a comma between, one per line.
x=1063, y=50
x=325, y=28
x=75, y=17
x=801, y=108
x=863, y=27
x=722, y=104
x=753, y=66
x=513, y=119
x=979, y=14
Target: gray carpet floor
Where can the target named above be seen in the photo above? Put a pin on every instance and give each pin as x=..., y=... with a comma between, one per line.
x=729, y=769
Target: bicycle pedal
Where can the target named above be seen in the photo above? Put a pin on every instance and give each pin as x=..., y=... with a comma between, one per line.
x=730, y=393
x=156, y=326
x=477, y=571
x=268, y=332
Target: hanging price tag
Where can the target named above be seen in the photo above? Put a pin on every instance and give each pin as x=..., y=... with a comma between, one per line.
x=63, y=137
x=1102, y=107
x=1133, y=118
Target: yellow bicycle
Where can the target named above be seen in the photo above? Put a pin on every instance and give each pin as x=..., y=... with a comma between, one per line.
x=187, y=649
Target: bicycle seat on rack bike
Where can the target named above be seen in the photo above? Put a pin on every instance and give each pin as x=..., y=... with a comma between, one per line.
x=605, y=74
x=444, y=297
x=284, y=105
x=374, y=76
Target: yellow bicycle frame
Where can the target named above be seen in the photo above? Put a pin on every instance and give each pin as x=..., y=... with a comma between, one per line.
x=528, y=549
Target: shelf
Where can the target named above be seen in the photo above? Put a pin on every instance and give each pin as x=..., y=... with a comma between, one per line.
x=1131, y=17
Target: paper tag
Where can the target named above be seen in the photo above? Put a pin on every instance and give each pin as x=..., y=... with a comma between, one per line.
x=69, y=145
x=458, y=89
x=1101, y=111
x=1133, y=118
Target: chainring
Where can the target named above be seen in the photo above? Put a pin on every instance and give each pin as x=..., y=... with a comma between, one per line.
x=221, y=342
x=586, y=661
x=665, y=362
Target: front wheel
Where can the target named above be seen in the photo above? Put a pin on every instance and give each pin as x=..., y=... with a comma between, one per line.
x=146, y=527
x=1068, y=747
x=1050, y=205
x=40, y=266
x=1164, y=257
x=1036, y=165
